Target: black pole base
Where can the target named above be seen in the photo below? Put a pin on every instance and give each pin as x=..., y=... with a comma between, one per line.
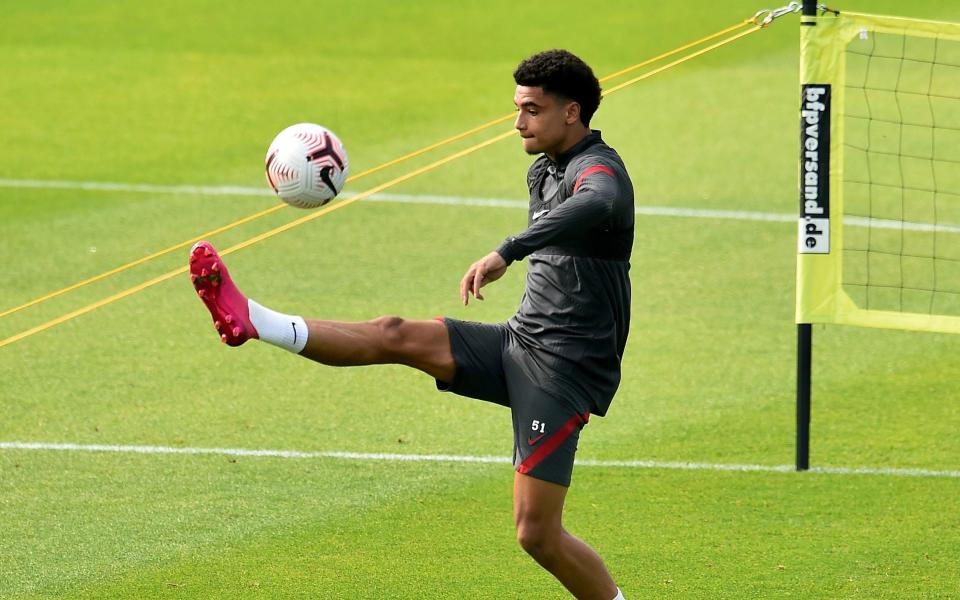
x=804, y=354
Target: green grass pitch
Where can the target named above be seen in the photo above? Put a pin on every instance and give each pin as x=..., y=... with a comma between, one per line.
x=190, y=93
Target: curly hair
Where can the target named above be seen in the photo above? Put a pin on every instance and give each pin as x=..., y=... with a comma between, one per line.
x=563, y=74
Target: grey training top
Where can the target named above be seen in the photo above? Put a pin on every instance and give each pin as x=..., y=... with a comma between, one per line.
x=576, y=305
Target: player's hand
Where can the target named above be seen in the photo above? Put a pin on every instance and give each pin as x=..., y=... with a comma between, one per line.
x=489, y=268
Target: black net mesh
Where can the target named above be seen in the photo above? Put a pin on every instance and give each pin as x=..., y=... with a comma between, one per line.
x=901, y=176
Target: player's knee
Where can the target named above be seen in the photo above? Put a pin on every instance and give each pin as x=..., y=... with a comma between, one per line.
x=391, y=334
x=536, y=538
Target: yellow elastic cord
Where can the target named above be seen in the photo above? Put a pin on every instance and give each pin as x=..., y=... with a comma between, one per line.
x=414, y=154
x=328, y=209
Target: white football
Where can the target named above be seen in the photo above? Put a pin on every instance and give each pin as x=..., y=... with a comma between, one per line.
x=307, y=165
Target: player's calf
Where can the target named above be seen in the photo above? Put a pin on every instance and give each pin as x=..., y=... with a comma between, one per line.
x=423, y=345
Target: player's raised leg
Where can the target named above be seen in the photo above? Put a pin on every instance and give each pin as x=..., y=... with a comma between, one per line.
x=424, y=345
x=538, y=508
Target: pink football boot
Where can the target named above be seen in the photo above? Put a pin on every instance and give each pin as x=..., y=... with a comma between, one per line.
x=227, y=306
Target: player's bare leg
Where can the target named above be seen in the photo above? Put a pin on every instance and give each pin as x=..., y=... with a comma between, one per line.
x=424, y=345
x=538, y=508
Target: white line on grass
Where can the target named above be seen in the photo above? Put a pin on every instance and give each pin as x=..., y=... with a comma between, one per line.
x=146, y=188
x=660, y=211
x=393, y=457
x=656, y=211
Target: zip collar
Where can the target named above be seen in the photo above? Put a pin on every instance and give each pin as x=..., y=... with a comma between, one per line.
x=565, y=157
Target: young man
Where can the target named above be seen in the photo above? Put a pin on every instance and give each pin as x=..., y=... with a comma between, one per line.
x=555, y=362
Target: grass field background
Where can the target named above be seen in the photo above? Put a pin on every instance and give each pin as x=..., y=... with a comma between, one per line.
x=191, y=93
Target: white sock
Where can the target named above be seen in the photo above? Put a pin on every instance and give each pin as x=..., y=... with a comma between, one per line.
x=286, y=331
x=619, y=595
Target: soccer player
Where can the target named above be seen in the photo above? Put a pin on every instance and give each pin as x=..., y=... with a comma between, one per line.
x=557, y=360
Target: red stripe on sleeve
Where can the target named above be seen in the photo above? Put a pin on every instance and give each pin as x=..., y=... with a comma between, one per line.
x=591, y=171
x=552, y=443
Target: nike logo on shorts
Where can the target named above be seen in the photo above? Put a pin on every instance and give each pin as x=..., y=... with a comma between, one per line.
x=540, y=213
x=533, y=440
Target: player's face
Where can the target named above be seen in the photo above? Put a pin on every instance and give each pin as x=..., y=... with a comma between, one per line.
x=542, y=120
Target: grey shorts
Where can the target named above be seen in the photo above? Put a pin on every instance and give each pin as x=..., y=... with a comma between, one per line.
x=548, y=411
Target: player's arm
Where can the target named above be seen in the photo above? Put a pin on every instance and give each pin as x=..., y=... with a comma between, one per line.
x=591, y=204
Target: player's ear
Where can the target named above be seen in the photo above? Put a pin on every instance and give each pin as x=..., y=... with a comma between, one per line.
x=572, y=114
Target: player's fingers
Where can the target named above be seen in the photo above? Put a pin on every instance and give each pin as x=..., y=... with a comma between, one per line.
x=465, y=284
x=477, y=283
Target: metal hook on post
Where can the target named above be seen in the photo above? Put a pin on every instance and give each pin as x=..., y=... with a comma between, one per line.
x=769, y=15
x=823, y=8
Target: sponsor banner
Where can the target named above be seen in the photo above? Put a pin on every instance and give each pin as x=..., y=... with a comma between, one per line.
x=814, y=231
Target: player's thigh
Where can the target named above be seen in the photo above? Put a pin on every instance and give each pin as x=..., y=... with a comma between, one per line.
x=547, y=418
x=537, y=503
x=478, y=355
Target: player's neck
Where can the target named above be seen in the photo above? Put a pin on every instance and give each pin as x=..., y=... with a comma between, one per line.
x=574, y=136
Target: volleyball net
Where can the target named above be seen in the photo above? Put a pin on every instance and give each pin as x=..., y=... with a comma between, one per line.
x=879, y=227
x=879, y=231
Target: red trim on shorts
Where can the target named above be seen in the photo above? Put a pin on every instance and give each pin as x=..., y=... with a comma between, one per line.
x=441, y=319
x=552, y=443
x=591, y=171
